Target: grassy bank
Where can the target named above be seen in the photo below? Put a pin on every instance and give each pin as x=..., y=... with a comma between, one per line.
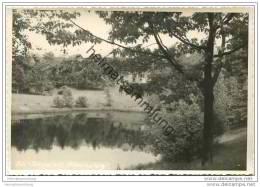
x=230, y=154
x=97, y=100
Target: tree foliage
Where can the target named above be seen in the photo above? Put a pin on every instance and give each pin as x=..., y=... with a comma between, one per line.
x=20, y=47
x=187, y=120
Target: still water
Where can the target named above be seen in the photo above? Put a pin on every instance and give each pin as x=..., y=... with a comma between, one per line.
x=84, y=141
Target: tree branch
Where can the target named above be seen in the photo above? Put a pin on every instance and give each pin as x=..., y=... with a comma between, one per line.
x=166, y=56
x=230, y=52
x=185, y=40
x=113, y=43
x=226, y=19
x=164, y=50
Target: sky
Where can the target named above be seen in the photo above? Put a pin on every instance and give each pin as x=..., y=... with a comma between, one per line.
x=96, y=25
x=89, y=21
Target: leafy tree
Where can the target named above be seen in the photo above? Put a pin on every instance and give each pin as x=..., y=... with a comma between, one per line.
x=20, y=47
x=38, y=76
x=230, y=28
x=75, y=71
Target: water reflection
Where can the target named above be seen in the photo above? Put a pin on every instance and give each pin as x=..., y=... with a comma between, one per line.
x=79, y=142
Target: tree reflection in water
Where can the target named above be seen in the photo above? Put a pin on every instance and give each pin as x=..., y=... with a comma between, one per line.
x=76, y=130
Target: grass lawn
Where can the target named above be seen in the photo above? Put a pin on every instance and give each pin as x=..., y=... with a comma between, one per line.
x=97, y=100
x=25, y=103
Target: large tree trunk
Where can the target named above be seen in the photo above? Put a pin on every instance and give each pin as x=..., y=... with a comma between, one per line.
x=207, y=88
x=208, y=123
x=208, y=94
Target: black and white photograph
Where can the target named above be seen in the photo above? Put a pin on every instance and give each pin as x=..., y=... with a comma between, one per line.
x=125, y=90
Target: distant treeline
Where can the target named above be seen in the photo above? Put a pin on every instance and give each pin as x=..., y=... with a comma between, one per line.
x=40, y=74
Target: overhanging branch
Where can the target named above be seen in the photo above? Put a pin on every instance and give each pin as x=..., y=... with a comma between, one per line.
x=226, y=20
x=164, y=50
x=229, y=52
x=113, y=43
x=185, y=41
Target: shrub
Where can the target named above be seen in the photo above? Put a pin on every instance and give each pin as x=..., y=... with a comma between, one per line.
x=229, y=104
x=66, y=100
x=67, y=97
x=58, y=102
x=185, y=142
x=48, y=86
x=81, y=102
x=60, y=92
x=67, y=92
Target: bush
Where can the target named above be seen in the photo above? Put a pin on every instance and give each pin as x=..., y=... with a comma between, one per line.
x=58, y=102
x=66, y=100
x=81, y=102
x=226, y=94
x=60, y=92
x=185, y=142
x=67, y=97
x=62, y=89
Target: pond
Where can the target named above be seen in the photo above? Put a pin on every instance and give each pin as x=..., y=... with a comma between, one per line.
x=87, y=141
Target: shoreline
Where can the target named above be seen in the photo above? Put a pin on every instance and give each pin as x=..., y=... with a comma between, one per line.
x=99, y=113
x=55, y=110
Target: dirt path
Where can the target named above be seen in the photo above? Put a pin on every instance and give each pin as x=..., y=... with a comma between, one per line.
x=232, y=135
